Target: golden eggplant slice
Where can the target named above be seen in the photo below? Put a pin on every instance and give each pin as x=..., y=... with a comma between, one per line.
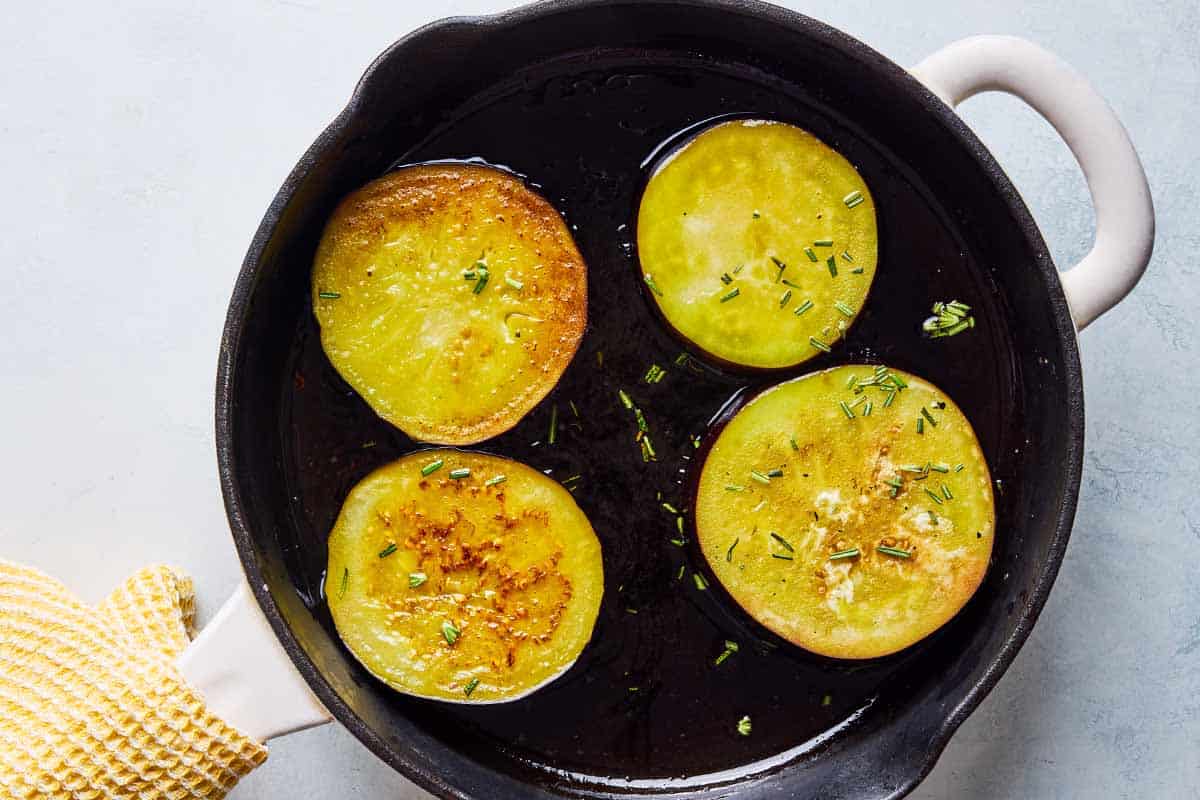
x=463, y=577
x=451, y=297
x=849, y=511
x=758, y=243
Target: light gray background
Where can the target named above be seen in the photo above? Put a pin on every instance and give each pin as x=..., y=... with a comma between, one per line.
x=141, y=142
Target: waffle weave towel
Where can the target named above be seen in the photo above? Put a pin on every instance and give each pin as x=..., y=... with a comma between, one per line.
x=91, y=706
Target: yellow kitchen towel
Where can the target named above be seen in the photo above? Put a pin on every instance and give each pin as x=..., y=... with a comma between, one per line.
x=91, y=705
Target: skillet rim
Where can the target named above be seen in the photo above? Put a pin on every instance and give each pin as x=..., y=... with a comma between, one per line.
x=405, y=762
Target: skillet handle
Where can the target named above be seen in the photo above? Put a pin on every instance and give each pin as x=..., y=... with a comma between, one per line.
x=1120, y=193
x=245, y=675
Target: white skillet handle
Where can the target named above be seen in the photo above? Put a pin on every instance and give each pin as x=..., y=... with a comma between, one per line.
x=1120, y=193
x=245, y=676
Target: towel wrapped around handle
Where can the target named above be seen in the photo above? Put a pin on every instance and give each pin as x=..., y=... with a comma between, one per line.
x=91, y=706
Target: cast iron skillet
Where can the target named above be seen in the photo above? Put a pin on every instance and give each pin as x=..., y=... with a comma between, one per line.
x=580, y=98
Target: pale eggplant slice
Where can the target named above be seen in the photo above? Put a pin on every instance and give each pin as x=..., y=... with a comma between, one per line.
x=451, y=297
x=758, y=243
x=850, y=511
x=463, y=577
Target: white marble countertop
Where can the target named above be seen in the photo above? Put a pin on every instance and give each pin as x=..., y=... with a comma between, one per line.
x=140, y=143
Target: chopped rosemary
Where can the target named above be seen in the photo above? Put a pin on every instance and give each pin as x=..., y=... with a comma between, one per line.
x=729, y=552
x=888, y=400
x=856, y=271
x=831, y=263
x=432, y=467
x=949, y=319
x=329, y=295
x=677, y=542
x=700, y=581
x=780, y=266
x=743, y=726
x=553, y=435
x=817, y=343
x=841, y=554
x=460, y=473
x=959, y=467
x=934, y=497
x=730, y=295
x=484, y=276
x=679, y=524
x=812, y=254
x=939, y=467
x=847, y=257
x=846, y=409
x=387, y=551
x=733, y=487
x=783, y=542
x=514, y=283
x=730, y=649
x=415, y=579
x=823, y=243
x=670, y=508
x=783, y=300
x=758, y=476
x=574, y=410
x=679, y=575
x=726, y=278
x=625, y=401
x=495, y=479
x=782, y=556
x=642, y=425
x=925, y=413
x=946, y=493
x=345, y=581
x=653, y=286
x=845, y=310
x=912, y=468
x=866, y=412
x=920, y=425
x=450, y=632
x=805, y=306
x=893, y=551
x=853, y=199
x=470, y=687
x=786, y=282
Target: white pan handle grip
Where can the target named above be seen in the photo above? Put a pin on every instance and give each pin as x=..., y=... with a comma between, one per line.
x=1120, y=193
x=245, y=676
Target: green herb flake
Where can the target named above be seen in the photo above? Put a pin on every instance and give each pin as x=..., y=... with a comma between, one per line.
x=700, y=581
x=514, y=283
x=803, y=307
x=729, y=552
x=818, y=344
x=450, y=632
x=949, y=319
x=959, y=467
x=893, y=551
x=743, y=726
x=758, y=476
x=925, y=413
x=939, y=467
x=432, y=467
x=726, y=278
x=484, y=276
x=848, y=258
x=345, y=582
x=946, y=493
x=653, y=286
x=733, y=487
x=725, y=298
x=792, y=442
x=679, y=575
x=416, y=579
x=777, y=472
x=843, y=309
x=831, y=264
x=495, y=479
x=460, y=473
x=471, y=686
x=866, y=412
x=843, y=554
x=888, y=400
x=823, y=243
x=730, y=648
x=784, y=543
x=812, y=254
x=782, y=556
x=783, y=299
x=920, y=425
x=853, y=199
x=857, y=271
x=933, y=497
x=827, y=701
x=670, y=508
x=625, y=401
x=329, y=295
x=846, y=409
x=387, y=551
x=553, y=435
x=780, y=266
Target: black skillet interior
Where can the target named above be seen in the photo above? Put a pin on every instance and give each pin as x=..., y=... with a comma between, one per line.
x=578, y=98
